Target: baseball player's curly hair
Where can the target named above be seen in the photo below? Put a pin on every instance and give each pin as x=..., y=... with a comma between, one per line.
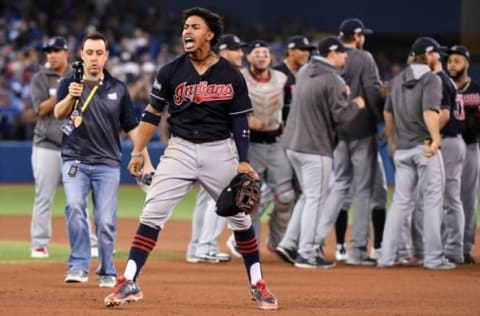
x=213, y=20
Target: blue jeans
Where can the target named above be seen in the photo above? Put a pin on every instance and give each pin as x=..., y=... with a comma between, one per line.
x=103, y=181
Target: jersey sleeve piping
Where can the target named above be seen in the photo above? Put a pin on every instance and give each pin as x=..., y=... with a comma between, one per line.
x=241, y=112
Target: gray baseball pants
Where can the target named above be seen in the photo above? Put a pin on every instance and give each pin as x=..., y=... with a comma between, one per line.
x=271, y=163
x=313, y=173
x=355, y=165
x=413, y=169
x=469, y=194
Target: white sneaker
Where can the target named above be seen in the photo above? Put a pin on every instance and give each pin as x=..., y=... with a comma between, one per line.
x=106, y=281
x=224, y=257
x=39, y=253
x=375, y=253
x=75, y=275
x=192, y=259
x=341, y=252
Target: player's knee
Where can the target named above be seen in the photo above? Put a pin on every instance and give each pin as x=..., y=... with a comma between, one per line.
x=239, y=222
x=286, y=197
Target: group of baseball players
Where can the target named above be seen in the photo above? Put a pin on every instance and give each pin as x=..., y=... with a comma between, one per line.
x=287, y=136
x=307, y=128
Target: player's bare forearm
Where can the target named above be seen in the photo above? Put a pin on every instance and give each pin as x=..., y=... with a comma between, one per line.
x=144, y=131
x=389, y=129
x=388, y=135
x=444, y=117
x=141, y=135
x=147, y=163
x=432, y=120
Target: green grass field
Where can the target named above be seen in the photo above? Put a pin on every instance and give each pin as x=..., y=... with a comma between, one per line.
x=18, y=200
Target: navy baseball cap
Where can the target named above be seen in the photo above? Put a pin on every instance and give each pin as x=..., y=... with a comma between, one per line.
x=331, y=44
x=299, y=42
x=56, y=42
x=460, y=50
x=230, y=41
x=353, y=26
x=425, y=44
x=256, y=44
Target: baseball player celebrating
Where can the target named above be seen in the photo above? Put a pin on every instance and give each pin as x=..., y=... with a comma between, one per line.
x=207, y=99
x=206, y=224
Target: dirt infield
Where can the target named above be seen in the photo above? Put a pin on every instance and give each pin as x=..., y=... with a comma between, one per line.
x=173, y=287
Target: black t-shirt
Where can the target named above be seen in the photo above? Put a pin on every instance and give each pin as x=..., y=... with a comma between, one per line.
x=455, y=124
x=200, y=106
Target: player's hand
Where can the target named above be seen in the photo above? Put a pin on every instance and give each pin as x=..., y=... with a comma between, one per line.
x=431, y=150
x=135, y=165
x=392, y=147
x=75, y=89
x=360, y=102
x=384, y=89
x=254, y=123
x=245, y=167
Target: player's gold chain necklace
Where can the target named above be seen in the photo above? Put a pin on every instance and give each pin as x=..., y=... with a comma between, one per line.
x=465, y=85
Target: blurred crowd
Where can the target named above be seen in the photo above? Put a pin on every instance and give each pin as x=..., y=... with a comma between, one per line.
x=142, y=36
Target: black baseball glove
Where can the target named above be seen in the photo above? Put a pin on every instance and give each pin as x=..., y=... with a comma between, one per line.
x=241, y=195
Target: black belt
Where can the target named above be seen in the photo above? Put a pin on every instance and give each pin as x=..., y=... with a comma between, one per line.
x=269, y=137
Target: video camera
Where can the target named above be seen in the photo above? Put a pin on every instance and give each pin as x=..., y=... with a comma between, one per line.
x=77, y=71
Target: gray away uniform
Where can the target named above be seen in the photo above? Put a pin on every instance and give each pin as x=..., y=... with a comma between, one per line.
x=355, y=157
x=319, y=104
x=453, y=153
x=414, y=91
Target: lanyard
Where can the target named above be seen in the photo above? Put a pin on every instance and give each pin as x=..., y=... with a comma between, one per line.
x=87, y=101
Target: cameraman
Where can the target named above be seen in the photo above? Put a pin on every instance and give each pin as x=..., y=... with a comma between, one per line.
x=94, y=111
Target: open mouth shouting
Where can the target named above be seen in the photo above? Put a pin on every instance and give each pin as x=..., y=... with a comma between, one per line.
x=188, y=42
